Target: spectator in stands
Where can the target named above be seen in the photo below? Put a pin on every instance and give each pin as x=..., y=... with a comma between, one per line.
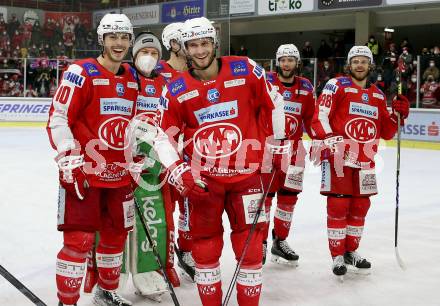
x=339, y=55
x=58, y=48
x=48, y=50
x=58, y=33
x=411, y=89
x=324, y=51
x=307, y=53
x=388, y=65
x=428, y=90
x=49, y=31
x=68, y=41
x=375, y=48
x=36, y=33
x=31, y=92
x=13, y=25
x=406, y=44
x=243, y=51
x=17, y=40
x=69, y=26
x=431, y=70
x=80, y=33
x=380, y=82
x=4, y=39
x=33, y=52
x=15, y=87
x=325, y=73
x=3, y=24
x=42, y=85
x=5, y=86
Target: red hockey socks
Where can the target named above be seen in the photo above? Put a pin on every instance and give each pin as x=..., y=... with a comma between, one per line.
x=355, y=223
x=283, y=214
x=337, y=211
x=70, y=265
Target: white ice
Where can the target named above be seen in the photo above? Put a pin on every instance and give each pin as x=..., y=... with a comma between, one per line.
x=29, y=241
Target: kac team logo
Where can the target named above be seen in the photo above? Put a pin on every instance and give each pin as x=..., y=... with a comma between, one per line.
x=213, y=95
x=217, y=140
x=361, y=130
x=112, y=133
x=120, y=90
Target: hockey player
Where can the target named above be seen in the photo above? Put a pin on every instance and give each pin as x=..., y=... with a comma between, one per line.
x=216, y=106
x=154, y=199
x=177, y=61
x=299, y=105
x=349, y=119
x=170, y=69
x=87, y=122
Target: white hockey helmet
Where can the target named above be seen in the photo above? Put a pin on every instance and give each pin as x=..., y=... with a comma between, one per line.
x=170, y=32
x=197, y=28
x=360, y=51
x=287, y=50
x=114, y=23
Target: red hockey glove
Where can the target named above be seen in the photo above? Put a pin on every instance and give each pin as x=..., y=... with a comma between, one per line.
x=400, y=105
x=281, y=151
x=182, y=179
x=71, y=175
x=323, y=149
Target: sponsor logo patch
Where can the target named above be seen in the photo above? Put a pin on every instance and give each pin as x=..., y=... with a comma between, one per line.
x=147, y=103
x=306, y=85
x=217, y=112
x=75, y=79
x=378, y=95
x=98, y=82
x=150, y=90
x=292, y=107
x=91, y=69
x=177, y=87
x=330, y=88
x=258, y=71
x=363, y=110
x=189, y=95
x=235, y=82
x=213, y=95
x=351, y=89
x=239, y=68
x=115, y=106
x=345, y=81
x=164, y=102
x=133, y=85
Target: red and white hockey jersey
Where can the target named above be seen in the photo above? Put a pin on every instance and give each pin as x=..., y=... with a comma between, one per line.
x=165, y=70
x=92, y=108
x=299, y=104
x=149, y=95
x=219, y=119
x=359, y=115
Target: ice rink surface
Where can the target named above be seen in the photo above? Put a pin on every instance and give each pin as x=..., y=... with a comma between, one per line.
x=30, y=242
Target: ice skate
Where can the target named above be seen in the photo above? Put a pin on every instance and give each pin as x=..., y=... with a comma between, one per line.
x=282, y=253
x=109, y=298
x=339, y=268
x=357, y=264
x=186, y=263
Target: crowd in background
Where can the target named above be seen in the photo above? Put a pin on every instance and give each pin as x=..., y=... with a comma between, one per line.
x=55, y=43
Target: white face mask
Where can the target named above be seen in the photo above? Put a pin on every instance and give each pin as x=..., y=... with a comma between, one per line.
x=146, y=63
x=413, y=80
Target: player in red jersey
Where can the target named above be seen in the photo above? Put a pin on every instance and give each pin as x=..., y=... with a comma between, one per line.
x=216, y=105
x=299, y=105
x=88, y=118
x=177, y=61
x=169, y=70
x=350, y=118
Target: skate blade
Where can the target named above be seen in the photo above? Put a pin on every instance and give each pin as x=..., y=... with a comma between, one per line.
x=279, y=260
x=357, y=271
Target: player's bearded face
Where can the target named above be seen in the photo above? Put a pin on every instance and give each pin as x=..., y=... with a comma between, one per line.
x=359, y=67
x=116, y=46
x=201, y=52
x=287, y=66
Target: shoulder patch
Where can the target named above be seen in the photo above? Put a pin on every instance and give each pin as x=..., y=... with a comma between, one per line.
x=270, y=77
x=258, y=71
x=305, y=84
x=177, y=86
x=73, y=75
x=133, y=73
x=91, y=69
x=159, y=67
x=345, y=81
x=239, y=68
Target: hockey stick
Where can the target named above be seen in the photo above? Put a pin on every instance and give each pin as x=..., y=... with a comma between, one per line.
x=156, y=254
x=248, y=240
x=396, y=219
x=22, y=288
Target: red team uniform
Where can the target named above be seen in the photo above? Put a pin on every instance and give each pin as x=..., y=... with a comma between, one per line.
x=361, y=117
x=299, y=105
x=222, y=142
x=89, y=115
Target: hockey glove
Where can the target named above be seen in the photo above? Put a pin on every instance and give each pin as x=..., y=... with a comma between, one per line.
x=281, y=151
x=182, y=179
x=71, y=174
x=324, y=149
x=400, y=106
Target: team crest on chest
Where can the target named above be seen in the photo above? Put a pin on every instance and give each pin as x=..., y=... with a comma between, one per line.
x=287, y=95
x=365, y=98
x=150, y=90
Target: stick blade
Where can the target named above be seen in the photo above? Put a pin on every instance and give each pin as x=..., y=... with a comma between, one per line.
x=399, y=259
